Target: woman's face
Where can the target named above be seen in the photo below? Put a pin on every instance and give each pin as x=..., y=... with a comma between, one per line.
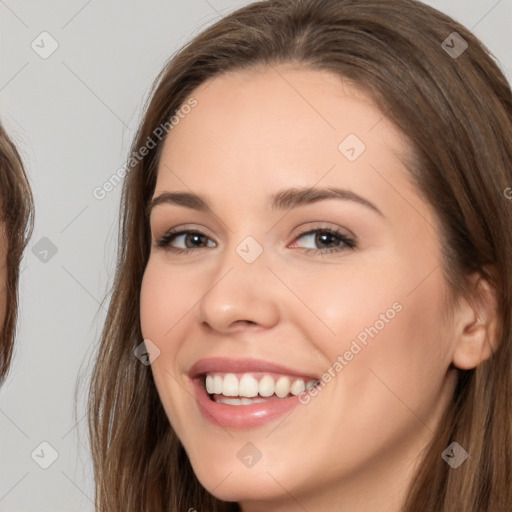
x=258, y=287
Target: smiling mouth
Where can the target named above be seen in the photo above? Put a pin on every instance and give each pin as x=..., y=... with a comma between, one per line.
x=253, y=388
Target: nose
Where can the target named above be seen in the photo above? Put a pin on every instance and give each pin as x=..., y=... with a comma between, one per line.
x=239, y=295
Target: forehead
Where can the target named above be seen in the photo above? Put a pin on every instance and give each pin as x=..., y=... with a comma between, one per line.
x=278, y=123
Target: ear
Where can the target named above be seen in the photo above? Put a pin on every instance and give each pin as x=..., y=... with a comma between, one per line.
x=477, y=328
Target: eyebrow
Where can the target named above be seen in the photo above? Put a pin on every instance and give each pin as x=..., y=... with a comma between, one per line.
x=285, y=199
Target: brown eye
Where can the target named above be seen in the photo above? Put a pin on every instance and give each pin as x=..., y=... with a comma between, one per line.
x=327, y=240
x=191, y=239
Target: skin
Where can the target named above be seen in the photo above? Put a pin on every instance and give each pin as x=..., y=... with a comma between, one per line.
x=253, y=133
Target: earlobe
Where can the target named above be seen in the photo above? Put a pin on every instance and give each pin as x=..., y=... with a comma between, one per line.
x=478, y=329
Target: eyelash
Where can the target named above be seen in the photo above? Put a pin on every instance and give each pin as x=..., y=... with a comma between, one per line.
x=349, y=243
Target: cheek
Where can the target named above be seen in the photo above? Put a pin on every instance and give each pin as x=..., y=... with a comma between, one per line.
x=388, y=332
x=165, y=301
x=357, y=301
x=402, y=362
x=161, y=301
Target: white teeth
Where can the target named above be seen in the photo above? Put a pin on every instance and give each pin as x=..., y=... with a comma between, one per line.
x=209, y=384
x=218, y=384
x=230, y=387
x=231, y=401
x=239, y=401
x=266, y=386
x=283, y=387
x=297, y=387
x=249, y=387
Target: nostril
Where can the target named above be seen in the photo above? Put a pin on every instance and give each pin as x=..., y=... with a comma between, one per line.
x=242, y=322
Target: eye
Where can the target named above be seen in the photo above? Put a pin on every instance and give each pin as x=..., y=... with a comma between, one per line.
x=332, y=238
x=329, y=241
x=186, y=236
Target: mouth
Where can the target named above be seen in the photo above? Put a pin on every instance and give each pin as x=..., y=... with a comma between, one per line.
x=253, y=388
x=245, y=393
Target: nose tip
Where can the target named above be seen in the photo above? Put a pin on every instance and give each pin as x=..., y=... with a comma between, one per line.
x=239, y=300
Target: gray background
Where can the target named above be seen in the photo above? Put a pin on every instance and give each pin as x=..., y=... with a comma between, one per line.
x=73, y=116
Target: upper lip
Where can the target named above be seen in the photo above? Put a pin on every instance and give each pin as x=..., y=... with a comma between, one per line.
x=242, y=365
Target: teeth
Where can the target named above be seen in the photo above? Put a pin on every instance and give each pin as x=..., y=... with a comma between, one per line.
x=266, y=386
x=230, y=387
x=249, y=387
x=218, y=383
x=209, y=384
x=283, y=387
x=239, y=401
x=297, y=387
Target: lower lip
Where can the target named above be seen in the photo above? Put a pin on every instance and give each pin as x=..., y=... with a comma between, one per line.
x=241, y=416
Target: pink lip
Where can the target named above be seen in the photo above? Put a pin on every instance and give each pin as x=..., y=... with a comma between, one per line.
x=228, y=365
x=240, y=416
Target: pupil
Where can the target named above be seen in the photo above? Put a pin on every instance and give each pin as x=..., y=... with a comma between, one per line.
x=195, y=237
x=323, y=236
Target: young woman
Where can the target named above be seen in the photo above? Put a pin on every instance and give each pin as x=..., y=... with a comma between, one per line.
x=315, y=246
x=16, y=223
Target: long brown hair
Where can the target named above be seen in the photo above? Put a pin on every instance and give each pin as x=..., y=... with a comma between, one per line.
x=456, y=110
x=16, y=217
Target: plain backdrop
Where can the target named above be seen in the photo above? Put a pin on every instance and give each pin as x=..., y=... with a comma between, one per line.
x=72, y=115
